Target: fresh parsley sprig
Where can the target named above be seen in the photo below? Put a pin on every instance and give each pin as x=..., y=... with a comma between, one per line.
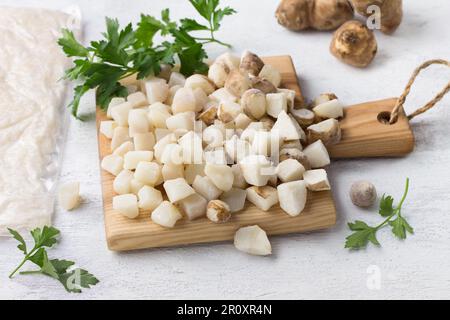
x=132, y=51
x=363, y=233
x=73, y=279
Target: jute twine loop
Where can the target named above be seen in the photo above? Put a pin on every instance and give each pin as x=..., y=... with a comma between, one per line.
x=430, y=104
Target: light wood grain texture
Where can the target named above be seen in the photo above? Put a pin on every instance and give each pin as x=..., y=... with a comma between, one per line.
x=129, y=234
x=363, y=135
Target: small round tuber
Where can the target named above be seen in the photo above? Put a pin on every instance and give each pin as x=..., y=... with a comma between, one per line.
x=353, y=43
x=316, y=14
x=391, y=12
x=251, y=63
x=363, y=194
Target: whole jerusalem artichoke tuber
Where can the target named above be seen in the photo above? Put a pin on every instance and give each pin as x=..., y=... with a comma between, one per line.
x=354, y=44
x=316, y=14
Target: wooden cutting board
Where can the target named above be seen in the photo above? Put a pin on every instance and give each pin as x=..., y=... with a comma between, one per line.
x=363, y=135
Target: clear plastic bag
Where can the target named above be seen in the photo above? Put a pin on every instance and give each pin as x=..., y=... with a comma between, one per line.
x=34, y=117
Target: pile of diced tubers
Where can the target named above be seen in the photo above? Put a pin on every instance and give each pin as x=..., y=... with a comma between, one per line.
x=187, y=148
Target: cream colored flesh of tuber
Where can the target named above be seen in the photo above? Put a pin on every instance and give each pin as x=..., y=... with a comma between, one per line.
x=107, y=128
x=235, y=198
x=222, y=94
x=177, y=189
x=218, y=73
x=252, y=240
x=355, y=44
x=200, y=81
x=221, y=175
x=137, y=99
x=176, y=79
x=363, y=194
x=193, y=170
x=172, y=171
x=237, y=83
x=295, y=153
x=290, y=170
x=322, y=98
x=271, y=74
x=253, y=102
x=287, y=128
x=328, y=131
x=218, y=211
x=208, y=116
x=262, y=197
x=193, y=206
x=113, y=164
x=144, y=141
x=69, y=195
x=206, y=188
x=317, y=154
x=166, y=215
x=120, y=113
x=157, y=90
x=304, y=117
x=135, y=186
x=122, y=182
x=239, y=180
x=132, y=158
x=316, y=14
x=120, y=135
x=316, y=180
x=329, y=109
x=148, y=173
x=124, y=148
x=126, y=205
x=184, y=101
x=228, y=111
x=292, y=197
x=391, y=12
x=256, y=169
x=149, y=198
x=262, y=85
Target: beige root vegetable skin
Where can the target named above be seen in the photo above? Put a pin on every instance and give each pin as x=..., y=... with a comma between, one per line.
x=353, y=43
x=391, y=12
x=316, y=14
x=251, y=63
x=263, y=85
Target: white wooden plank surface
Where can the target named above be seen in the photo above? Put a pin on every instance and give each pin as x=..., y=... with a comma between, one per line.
x=303, y=266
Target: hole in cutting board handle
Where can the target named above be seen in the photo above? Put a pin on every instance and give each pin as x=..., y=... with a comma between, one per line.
x=384, y=117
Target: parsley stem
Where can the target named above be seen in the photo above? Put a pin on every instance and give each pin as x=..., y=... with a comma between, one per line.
x=19, y=266
x=404, y=195
x=25, y=259
x=398, y=208
x=31, y=272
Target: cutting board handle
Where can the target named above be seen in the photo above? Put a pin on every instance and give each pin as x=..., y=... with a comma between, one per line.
x=366, y=132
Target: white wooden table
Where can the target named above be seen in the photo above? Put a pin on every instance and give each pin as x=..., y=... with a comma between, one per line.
x=303, y=266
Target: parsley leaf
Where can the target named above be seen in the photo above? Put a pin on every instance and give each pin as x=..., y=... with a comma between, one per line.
x=72, y=279
x=386, y=206
x=400, y=227
x=22, y=245
x=363, y=233
x=70, y=46
x=132, y=51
